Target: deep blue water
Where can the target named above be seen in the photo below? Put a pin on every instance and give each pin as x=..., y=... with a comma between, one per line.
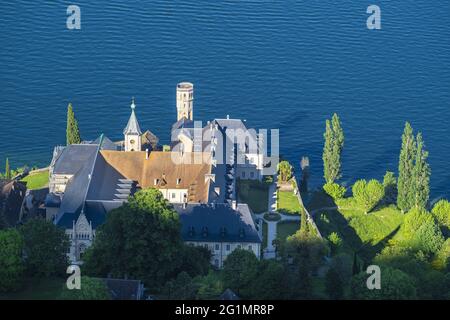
x=279, y=64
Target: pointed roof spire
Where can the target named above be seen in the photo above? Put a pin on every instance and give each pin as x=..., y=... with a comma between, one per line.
x=133, y=125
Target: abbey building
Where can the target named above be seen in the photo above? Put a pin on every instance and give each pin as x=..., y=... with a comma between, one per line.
x=196, y=174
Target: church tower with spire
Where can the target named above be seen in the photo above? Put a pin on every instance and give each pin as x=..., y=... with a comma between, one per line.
x=132, y=132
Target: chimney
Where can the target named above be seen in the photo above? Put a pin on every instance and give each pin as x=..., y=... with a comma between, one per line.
x=234, y=204
x=146, y=154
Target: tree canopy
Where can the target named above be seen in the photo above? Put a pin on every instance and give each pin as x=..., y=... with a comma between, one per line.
x=333, y=145
x=91, y=289
x=11, y=262
x=72, y=131
x=45, y=248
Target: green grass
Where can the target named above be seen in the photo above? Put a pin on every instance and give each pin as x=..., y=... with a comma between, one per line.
x=287, y=203
x=366, y=234
x=37, y=289
x=254, y=193
x=286, y=229
x=36, y=180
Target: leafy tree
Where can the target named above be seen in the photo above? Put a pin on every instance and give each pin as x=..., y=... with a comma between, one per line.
x=395, y=285
x=91, y=289
x=72, y=131
x=390, y=187
x=240, y=270
x=405, y=184
x=334, y=190
x=334, y=285
x=421, y=175
x=141, y=240
x=45, y=248
x=343, y=264
x=267, y=284
x=420, y=232
x=285, y=171
x=334, y=143
x=195, y=260
x=441, y=212
x=181, y=288
x=305, y=250
x=335, y=242
x=7, y=170
x=442, y=259
x=209, y=286
x=368, y=194
x=11, y=264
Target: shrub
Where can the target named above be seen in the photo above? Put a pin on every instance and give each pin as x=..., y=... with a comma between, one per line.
x=368, y=194
x=334, y=190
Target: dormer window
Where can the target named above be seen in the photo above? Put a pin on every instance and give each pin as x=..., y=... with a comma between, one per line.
x=156, y=182
x=132, y=141
x=178, y=181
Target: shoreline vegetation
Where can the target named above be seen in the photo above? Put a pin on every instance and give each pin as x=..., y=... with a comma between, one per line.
x=388, y=223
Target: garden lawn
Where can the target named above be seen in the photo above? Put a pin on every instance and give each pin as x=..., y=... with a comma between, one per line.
x=366, y=234
x=286, y=229
x=287, y=203
x=254, y=193
x=36, y=180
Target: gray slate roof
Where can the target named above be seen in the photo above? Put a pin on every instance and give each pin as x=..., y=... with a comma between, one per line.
x=73, y=158
x=222, y=223
x=133, y=125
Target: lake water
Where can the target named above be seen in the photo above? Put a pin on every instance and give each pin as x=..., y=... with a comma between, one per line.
x=278, y=64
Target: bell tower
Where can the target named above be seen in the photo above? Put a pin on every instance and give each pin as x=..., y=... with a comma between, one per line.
x=132, y=132
x=185, y=101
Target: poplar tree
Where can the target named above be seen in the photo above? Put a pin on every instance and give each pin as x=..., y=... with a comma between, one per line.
x=334, y=143
x=7, y=170
x=421, y=175
x=72, y=131
x=405, y=201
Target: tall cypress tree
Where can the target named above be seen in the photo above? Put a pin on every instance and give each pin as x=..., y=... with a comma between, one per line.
x=72, y=131
x=334, y=143
x=7, y=170
x=405, y=170
x=421, y=175
x=338, y=144
x=327, y=152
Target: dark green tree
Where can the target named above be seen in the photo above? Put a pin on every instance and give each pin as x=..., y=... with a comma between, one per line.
x=91, y=289
x=267, y=285
x=181, y=288
x=421, y=175
x=405, y=185
x=72, y=131
x=11, y=264
x=395, y=285
x=141, y=240
x=210, y=287
x=240, y=271
x=45, y=248
x=334, y=143
x=7, y=170
x=334, y=285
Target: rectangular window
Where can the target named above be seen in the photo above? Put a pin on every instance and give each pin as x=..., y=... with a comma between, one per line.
x=216, y=263
x=239, y=246
x=252, y=174
x=217, y=247
x=228, y=247
x=173, y=195
x=250, y=248
x=243, y=174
